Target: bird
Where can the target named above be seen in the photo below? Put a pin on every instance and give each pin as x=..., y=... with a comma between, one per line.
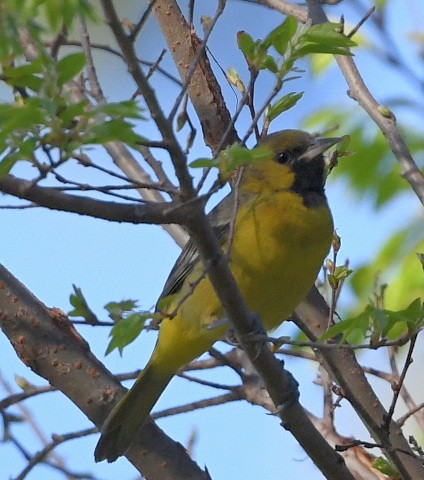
x=276, y=228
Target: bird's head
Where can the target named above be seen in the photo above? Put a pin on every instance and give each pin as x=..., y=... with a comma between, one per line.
x=296, y=163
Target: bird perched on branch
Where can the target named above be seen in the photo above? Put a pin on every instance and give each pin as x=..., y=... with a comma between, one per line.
x=281, y=232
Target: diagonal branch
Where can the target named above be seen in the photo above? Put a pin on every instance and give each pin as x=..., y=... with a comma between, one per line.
x=165, y=128
x=47, y=342
x=383, y=118
x=203, y=89
x=278, y=381
x=312, y=318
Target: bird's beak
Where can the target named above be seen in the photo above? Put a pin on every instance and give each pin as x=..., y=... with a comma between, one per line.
x=319, y=146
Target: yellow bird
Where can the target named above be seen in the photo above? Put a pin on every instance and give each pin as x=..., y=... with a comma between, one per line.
x=282, y=232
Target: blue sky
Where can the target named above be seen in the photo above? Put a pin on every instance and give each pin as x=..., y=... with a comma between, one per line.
x=49, y=251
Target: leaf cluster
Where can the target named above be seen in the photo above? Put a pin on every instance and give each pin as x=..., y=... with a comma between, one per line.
x=290, y=41
x=233, y=157
x=128, y=319
x=41, y=19
x=379, y=325
x=46, y=113
x=129, y=323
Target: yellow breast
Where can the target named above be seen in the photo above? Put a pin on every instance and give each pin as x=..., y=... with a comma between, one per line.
x=276, y=254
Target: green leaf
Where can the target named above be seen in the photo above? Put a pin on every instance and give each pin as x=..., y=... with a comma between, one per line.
x=246, y=44
x=81, y=308
x=20, y=117
x=322, y=38
x=32, y=82
x=126, y=331
x=50, y=105
x=70, y=66
x=413, y=314
x=270, y=64
x=117, y=309
x=383, y=466
x=234, y=78
x=320, y=48
x=27, y=148
x=114, y=130
x=280, y=37
x=64, y=12
x=379, y=323
x=236, y=156
x=204, y=163
x=348, y=327
x=327, y=34
x=69, y=113
x=24, y=70
x=340, y=274
x=283, y=104
x=25, y=76
x=255, y=53
x=127, y=108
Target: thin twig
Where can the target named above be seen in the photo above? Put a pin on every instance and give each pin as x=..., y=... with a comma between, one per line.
x=31, y=421
x=57, y=440
x=164, y=126
x=156, y=64
x=208, y=402
x=398, y=386
x=401, y=421
x=140, y=24
x=96, y=89
x=361, y=22
x=21, y=396
x=205, y=383
x=117, y=53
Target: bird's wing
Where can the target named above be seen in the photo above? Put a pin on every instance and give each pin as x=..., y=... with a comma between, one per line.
x=220, y=218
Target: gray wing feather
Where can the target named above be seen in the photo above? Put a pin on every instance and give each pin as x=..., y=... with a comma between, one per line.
x=220, y=218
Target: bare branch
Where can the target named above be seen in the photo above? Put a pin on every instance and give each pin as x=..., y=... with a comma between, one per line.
x=123, y=158
x=312, y=318
x=287, y=8
x=47, y=342
x=117, y=53
x=399, y=384
x=96, y=89
x=176, y=153
x=204, y=90
x=150, y=212
x=233, y=396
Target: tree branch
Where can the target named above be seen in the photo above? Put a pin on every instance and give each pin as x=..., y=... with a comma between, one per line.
x=47, y=342
x=312, y=318
x=148, y=212
x=278, y=381
x=383, y=118
x=203, y=89
x=165, y=127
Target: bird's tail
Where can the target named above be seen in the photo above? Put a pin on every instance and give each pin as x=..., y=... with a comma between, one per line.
x=126, y=419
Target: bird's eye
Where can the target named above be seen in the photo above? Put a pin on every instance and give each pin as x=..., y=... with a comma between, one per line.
x=283, y=158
